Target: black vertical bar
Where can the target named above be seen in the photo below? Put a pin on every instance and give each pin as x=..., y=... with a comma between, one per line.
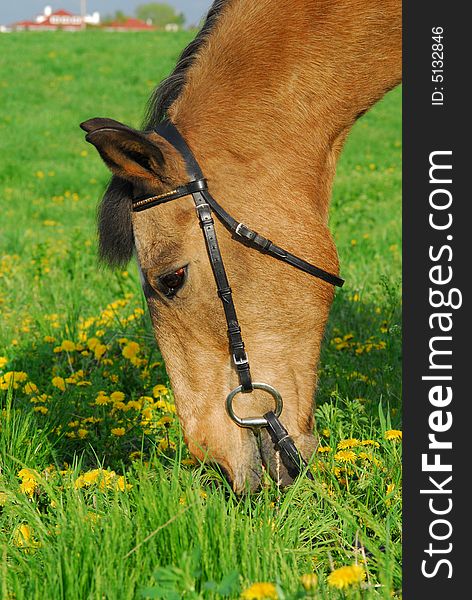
x=436, y=118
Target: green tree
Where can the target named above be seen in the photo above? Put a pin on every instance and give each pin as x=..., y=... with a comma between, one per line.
x=160, y=14
x=119, y=16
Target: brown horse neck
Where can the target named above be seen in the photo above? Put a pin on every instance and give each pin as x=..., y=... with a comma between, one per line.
x=277, y=87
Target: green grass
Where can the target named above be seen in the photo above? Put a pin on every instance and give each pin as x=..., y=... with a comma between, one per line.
x=178, y=531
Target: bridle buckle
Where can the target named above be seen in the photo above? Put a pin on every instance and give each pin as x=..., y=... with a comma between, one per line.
x=238, y=229
x=239, y=362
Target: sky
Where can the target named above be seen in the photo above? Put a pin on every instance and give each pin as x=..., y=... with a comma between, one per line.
x=19, y=10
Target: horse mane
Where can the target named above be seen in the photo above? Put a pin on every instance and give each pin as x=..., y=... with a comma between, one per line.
x=170, y=89
x=115, y=233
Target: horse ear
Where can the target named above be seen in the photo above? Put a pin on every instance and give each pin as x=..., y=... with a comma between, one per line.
x=101, y=123
x=128, y=153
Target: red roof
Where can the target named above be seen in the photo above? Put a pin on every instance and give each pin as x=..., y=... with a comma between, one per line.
x=62, y=13
x=34, y=25
x=131, y=24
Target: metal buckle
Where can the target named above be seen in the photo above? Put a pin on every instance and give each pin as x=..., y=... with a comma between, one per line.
x=238, y=229
x=240, y=361
x=254, y=422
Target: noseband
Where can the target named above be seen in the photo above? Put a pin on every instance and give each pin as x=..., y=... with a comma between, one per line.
x=205, y=205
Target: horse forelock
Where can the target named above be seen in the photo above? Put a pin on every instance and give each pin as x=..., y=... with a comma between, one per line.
x=115, y=228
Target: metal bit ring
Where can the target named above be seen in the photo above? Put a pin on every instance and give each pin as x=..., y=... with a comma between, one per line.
x=254, y=422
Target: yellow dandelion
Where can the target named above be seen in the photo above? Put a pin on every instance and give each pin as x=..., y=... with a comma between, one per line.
x=23, y=537
x=117, y=396
x=346, y=456
x=122, y=485
x=40, y=409
x=260, y=591
x=159, y=390
x=393, y=435
x=350, y=443
x=131, y=350
x=30, y=388
x=82, y=433
x=165, y=444
x=28, y=487
x=324, y=449
x=389, y=493
x=12, y=378
x=99, y=351
x=68, y=346
x=3, y=361
x=309, y=581
x=59, y=383
x=346, y=576
x=370, y=443
x=118, y=431
x=27, y=474
x=91, y=477
x=135, y=404
x=102, y=399
x=92, y=342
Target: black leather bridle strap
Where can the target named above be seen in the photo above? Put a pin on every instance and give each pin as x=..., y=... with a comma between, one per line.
x=225, y=293
x=294, y=461
x=256, y=240
x=171, y=134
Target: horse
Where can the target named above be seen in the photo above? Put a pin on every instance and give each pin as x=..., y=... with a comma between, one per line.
x=264, y=96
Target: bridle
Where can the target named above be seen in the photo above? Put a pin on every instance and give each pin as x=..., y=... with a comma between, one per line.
x=205, y=205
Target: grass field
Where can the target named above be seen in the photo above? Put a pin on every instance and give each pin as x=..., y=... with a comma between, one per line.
x=98, y=497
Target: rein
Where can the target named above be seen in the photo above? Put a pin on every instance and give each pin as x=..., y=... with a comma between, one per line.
x=205, y=205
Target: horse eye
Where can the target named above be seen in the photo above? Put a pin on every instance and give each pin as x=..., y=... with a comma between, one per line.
x=171, y=283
